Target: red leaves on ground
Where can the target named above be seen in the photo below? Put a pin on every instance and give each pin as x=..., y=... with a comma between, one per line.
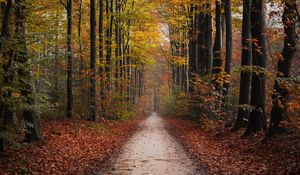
x=228, y=153
x=70, y=147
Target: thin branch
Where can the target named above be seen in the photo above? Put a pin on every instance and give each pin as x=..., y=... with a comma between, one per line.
x=63, y=3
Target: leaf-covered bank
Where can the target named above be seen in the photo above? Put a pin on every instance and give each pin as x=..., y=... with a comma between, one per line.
x=225, y=152
x=70, y=147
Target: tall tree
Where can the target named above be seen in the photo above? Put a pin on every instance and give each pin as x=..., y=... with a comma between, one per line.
x=192, y=57
x=245, y=82
x=69, y=9
x=6, y=113
x=209, y=38
x=93, y=106
x=217, y=49
x=101, y=53
x=80, y=33
x=259, y=57
x=228, y=58
x=281, y=88
x=33, y=130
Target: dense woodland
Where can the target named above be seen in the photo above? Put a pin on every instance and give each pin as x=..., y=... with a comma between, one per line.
x=207, y=64
x=227, y=63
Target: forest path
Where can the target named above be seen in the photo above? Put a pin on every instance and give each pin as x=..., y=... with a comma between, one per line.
x=152, y=150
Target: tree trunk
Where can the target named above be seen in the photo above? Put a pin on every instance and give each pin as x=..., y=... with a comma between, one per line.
x=245, y=82
x=6, y=114
x=192, y=57
x=5, y=25
x=33, y=130
x=69, y=9
x=228, y=22
x=281, y=89
x=79, y=36
x=259, y=57
x=209, y=39
x=101, y=56
x=201, y=42
x=93, y=105
x=217, y=50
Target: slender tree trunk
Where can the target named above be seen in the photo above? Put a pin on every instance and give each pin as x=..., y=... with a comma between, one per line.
x=209, y=39
x=201, y=42
x=281, y=90
x=217, y=50
x=69, y=8
x=93, y=105
x=117, y=50
x=245, y=82
x=223, y=22
x=228, y=58
x=101, y=55
x=79, y=35
x=259, y=57
x=192, y=57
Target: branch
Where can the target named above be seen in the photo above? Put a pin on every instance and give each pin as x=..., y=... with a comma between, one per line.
x=63, y=3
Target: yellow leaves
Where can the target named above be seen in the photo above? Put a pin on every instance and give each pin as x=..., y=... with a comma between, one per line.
x=179, y=61
x=222, y=78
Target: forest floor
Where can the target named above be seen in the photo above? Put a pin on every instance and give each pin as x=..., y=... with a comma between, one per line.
x=139, y=145
x=224, y=152
x=69, y=147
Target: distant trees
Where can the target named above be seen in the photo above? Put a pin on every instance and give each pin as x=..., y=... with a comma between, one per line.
x=35, y=65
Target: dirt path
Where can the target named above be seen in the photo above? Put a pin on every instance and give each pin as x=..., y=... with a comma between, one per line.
x=152, y=150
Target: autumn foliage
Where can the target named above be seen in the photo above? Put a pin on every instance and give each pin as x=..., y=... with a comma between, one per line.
x=70, y=147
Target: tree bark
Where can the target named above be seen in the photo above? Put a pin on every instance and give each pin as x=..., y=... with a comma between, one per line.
x=209, y=39
x=192, y=57
x=245, y=82
x=79, y=34
x=202, y=40
x=101, y=55
x=259, y=57
x=6, y=113
x=281, y=89
x=93, y=105
x=69, y=8
x=217, y=50
x=33, y=128
x=228, y=58
x=5, y=25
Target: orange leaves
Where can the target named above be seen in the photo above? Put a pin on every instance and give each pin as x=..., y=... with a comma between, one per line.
x=226, y=153
x=70, y=147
